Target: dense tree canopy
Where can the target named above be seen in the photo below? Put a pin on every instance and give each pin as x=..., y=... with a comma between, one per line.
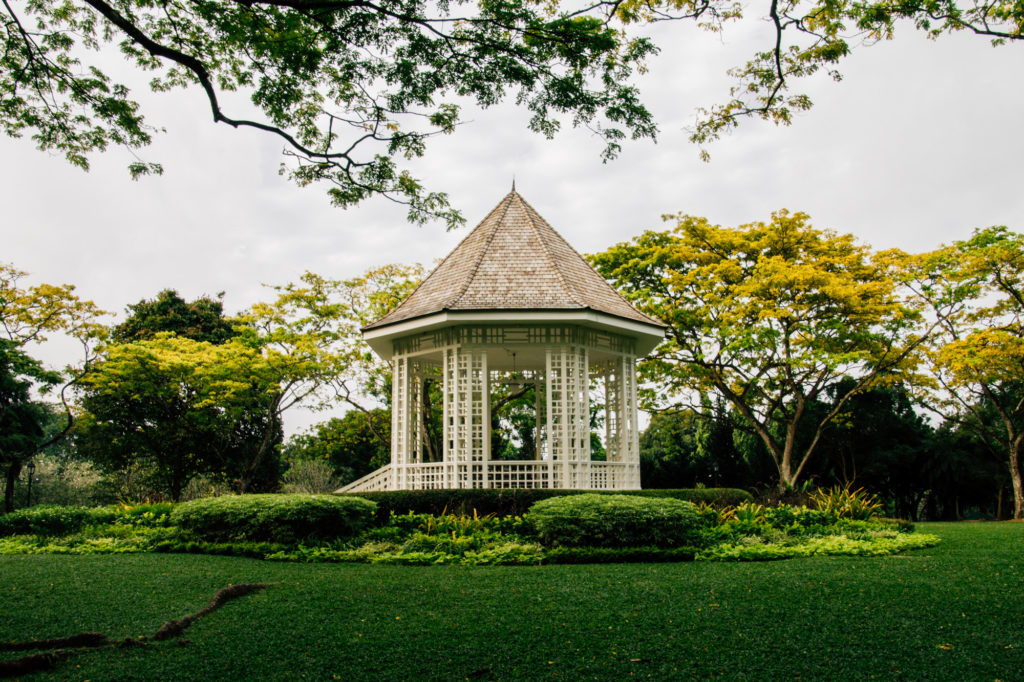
x=353, y=445
x=768, y=315
x=975, y=290
x=351, y=88
x=28, y=316
x=201, y=320
x=806, y=37
x=174, y=398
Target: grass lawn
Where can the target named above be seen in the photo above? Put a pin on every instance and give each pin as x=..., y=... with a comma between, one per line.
x=952, y=612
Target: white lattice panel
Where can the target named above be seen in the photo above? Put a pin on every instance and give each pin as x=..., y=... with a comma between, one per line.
x=467, y=417
x=568, y=417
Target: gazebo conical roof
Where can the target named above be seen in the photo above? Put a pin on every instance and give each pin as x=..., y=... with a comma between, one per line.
x=514, y=261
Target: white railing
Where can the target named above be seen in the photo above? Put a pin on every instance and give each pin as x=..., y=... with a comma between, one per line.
x=371, y=482
x=519, y=474
x=501, y=474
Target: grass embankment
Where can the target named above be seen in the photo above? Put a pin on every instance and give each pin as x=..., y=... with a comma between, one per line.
x=955, y=611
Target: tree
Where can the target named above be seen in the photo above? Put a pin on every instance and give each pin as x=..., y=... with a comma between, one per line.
x=21, y=417
x=812, y=36
x=154, y=402
x=881, y=443
x=28, y=316
x=351, y=444
x=349, y=87
x=163, y=405
x=975, y=291
x=685, y=448
x=769, y=316
x=307, y=348
x=201, y=320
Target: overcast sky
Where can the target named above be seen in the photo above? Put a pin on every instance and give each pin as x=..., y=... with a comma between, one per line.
x=918, y=145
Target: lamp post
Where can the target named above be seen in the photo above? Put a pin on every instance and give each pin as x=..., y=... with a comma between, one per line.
x=31, y=472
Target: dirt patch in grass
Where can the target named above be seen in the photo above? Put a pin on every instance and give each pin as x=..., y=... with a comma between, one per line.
x=54, y=651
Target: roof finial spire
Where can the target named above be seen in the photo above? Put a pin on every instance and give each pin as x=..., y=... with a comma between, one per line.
x=513, y=182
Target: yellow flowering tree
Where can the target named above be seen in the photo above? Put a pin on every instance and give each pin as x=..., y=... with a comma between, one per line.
x=308, y=346
x=771, y=316
x=29, y=315
x=974, y=289
x=168, y=406
x=188, y=407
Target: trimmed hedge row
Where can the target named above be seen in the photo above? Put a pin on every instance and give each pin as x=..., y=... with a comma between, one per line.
x=54, y=520
x=590, y=520
x=274, y=518
x=515, y=502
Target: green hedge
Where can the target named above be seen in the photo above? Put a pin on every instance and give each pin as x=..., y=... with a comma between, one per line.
x=619, y=555
x=54, y=520
x=615, y=521
x=274, y=518
x=515, y=502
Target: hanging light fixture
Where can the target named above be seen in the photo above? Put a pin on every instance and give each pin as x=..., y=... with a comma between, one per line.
x=514, y=384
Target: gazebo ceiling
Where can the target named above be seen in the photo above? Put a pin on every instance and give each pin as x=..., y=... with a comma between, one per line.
x=514, y=267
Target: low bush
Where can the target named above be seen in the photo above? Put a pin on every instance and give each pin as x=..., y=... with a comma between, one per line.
x=254, y=550
x=145, y=514
x=847, y=504
x=590, y=520
x=516, y=502
x=618, y=555
x=53, y=520
x=274, y=518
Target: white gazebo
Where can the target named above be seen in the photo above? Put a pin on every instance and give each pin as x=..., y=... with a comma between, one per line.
x=513, y=309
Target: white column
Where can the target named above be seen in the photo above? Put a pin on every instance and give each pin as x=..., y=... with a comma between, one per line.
x=399, y=421
x=466, y=417
x=629, y=438
x=568, y=417
x=612, y=408
x=450, y=416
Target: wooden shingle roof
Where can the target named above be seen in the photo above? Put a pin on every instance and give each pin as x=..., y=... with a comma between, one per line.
x=513, y=261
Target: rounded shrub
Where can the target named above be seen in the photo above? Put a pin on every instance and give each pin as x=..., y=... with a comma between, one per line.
x=274, y=518
x=590, y=520
x=53, y=520
x=503, y=502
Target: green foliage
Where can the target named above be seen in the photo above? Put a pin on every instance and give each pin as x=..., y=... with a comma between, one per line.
x=684, y=449
x=202, y=319
x=754, y=549
x=847, y=504
x=254, y=550
x=309, y=476
x=145, y=514
x=424, y=552
x=770, y=316
x=351, y=90
x=54, y=520
x=618, y=555
x=517, y=501
x=271, y=529
x=614, y=521
x=274, y=518
x=352, y=445
x=177, y=396
x=684, y=620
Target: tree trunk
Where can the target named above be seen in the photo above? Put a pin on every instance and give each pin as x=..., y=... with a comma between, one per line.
x=265, y=444
x=1017, y=479
x=13, y=471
